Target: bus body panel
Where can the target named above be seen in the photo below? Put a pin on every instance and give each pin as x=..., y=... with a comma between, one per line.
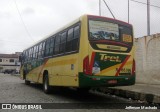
x=90, y=66
x=83, y=49
x=103, y=81
x=63, y=71
x=107, y=68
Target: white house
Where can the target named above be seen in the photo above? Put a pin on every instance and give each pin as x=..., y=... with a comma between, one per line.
x=9, y=61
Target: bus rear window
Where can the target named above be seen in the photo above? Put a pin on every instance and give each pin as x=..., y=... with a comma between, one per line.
x=103, y=30
x=110, y=35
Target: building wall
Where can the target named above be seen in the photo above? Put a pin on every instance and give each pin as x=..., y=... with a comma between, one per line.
x=148, y=59
x=5, y=63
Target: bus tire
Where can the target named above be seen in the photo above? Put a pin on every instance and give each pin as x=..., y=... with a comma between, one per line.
x=46, y=87
x=24, y=77
x=27, y=82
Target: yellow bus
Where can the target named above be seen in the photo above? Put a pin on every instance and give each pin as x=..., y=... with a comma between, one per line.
x=92, y=51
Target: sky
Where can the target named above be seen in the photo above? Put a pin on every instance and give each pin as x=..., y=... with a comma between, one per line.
x=25, y=22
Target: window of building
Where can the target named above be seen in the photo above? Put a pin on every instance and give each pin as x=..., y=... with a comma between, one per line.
x=0, y=60
x=11, y=60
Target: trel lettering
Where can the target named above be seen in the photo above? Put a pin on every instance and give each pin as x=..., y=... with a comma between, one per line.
x=105, y=57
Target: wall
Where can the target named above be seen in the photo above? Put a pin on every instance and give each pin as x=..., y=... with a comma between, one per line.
x=148, y=59
x=6, y=64
x=6, y=61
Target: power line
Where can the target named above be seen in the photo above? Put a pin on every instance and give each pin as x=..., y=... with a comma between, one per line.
x=128, y=10
x=100, y=7
x=23, y=21
x=144, y=3
x=109, y=9
x=17, y=42
x=14, y=44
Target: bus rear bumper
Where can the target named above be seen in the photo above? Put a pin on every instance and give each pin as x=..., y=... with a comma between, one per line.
x=105, y=81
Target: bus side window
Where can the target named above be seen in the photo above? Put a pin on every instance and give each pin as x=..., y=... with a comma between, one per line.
x=30, y=54
x=43, y=48
x=47, y=47
x=34, y=52
x=57, y=44
x=69, y=40
x=63, y=42
x=37, y=51
x=51, y=46
x=26, y=54
x=40, y=51
x=75, y=41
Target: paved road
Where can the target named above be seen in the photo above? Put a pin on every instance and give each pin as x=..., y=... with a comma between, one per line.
x=13, y=90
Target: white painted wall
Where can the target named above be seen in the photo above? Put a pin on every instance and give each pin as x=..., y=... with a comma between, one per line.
x=148, y=59
x=10, y=65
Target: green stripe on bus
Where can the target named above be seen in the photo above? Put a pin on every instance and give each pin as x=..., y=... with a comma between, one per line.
x=99, y=81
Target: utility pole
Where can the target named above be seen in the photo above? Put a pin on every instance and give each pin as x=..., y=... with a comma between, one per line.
x=148, y=17
x=99, y=7
x=128, y=11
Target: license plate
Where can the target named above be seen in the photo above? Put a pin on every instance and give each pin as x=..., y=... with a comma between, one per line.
x=112, y=82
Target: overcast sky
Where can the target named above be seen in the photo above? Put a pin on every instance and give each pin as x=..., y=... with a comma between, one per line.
x=24, y=22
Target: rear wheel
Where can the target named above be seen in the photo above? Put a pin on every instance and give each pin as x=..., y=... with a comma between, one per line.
x=46, y=87
x=24, y=77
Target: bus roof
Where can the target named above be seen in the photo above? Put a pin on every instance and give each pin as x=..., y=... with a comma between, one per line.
x=53, y=33
x=73, y=22
x=95, y=16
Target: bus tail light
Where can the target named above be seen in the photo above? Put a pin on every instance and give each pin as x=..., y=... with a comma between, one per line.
x=86, y=68
x=133, y=67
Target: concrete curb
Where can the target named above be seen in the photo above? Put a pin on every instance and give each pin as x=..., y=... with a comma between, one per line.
x=135, y=95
